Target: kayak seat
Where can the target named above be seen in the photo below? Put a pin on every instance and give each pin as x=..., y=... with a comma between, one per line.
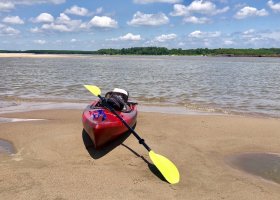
x=126, y=108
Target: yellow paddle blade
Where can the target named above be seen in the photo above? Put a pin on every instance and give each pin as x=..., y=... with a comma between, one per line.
x=93, y=89
x=166, y=167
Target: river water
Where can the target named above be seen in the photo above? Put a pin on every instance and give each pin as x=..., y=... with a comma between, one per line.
x=212, y=84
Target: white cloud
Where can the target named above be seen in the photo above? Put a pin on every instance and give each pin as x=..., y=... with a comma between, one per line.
x=76, y=10
x=65, y=20
x=200, y=34
x=7, y=30
x=261, y=38
x=250, y=38
x=239, y=5
x=56, y=27
x=180, y=10
x=205, y=7
x=248, y=33
x=156, y=1
x=57, y=42
x=181, y=44
x=99, y=10
x=196, y=20
x=273, y=35
x=196, y=34
x=56, y=1
x=128, y=37
x=32, y=2
x=6, y=6
x=228, y=42
x=131, y=37
x=197, y=6
x=35, y=30
x=103, y=22
x=40, y=41
x=250, y=12
x=44, y=18
x=141, y=19
x=84, y=25
x=164, y=38
x=73, y=40
x=63, y=23
x=13, y=20
x=274, y=6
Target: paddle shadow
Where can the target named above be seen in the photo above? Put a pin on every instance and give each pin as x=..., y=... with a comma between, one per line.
x=99, y=153
x=151, y=166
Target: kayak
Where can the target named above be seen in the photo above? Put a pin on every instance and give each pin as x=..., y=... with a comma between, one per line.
x=102, y=126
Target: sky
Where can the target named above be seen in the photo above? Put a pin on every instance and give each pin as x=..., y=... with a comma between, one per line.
x=97, y=24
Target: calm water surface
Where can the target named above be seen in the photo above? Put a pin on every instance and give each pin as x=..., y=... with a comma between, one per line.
x=214, y=84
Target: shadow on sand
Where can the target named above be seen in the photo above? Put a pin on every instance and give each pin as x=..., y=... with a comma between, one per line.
x=99, y=153
x=151, y=166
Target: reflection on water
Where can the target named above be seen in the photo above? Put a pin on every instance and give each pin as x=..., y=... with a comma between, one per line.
x=265, y=165
x=242, y=85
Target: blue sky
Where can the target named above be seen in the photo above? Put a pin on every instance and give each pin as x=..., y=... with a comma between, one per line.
x=96, y=24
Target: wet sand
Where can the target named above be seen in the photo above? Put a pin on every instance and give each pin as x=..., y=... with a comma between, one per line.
x=52, y=162
x=266, y=165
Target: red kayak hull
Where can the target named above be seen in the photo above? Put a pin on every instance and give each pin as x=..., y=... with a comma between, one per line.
x=102, y=126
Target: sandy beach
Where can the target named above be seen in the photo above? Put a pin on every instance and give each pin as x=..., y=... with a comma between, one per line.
x=52, y=162
x=31, y=55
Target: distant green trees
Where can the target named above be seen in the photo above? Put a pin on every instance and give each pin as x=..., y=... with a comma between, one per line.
x=135, y=51
x=199, y=51
x=164, y=51
x=58, y=52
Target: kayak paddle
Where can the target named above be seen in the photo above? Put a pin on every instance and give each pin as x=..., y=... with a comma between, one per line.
x=165, y=166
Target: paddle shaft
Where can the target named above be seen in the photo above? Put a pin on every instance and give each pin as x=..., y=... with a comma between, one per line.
x=165, y=166
x=141, y=140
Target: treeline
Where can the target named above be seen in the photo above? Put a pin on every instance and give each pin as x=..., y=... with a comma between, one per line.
x=163, y=51
x=191, y=52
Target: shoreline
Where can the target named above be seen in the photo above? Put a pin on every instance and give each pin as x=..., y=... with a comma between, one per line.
x=41, y=104
x=33, y=55
x=58, y=55
x=52, y=162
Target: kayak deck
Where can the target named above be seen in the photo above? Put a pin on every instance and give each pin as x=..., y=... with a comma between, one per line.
x=102, y=126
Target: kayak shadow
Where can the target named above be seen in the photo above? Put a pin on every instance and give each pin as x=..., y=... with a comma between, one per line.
x=151, y=166
x=99, y=153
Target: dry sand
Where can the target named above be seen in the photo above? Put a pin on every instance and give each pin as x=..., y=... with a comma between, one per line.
x=31, y=55
x=53, y=163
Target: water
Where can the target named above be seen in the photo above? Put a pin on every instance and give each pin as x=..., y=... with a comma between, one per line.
x=265, y=165
x=212, y=84
x=6, y=147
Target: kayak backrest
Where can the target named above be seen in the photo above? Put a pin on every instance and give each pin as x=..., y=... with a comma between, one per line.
x=124, y=97
x=116, y=102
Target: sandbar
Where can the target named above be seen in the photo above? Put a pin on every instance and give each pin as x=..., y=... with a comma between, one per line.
x=51, y=161
x=32, y=55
